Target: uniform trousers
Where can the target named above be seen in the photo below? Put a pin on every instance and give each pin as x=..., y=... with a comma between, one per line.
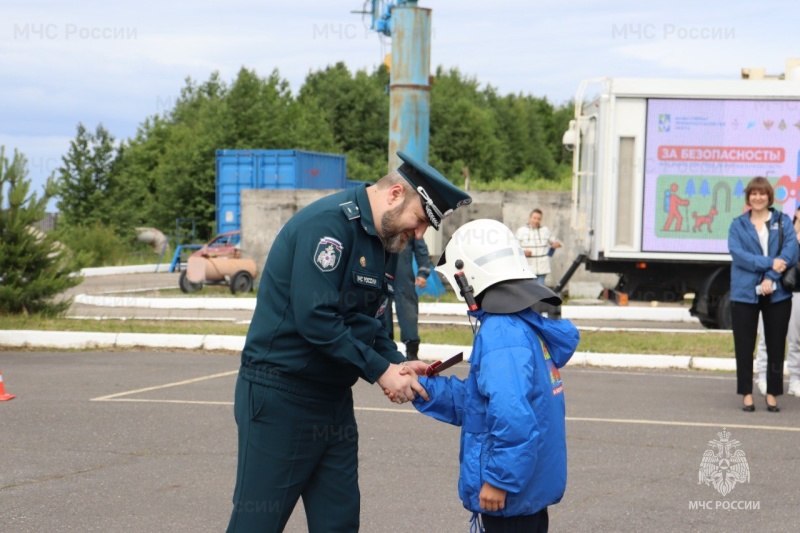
x=293, y=445
x=406, y=302
x=744, y=321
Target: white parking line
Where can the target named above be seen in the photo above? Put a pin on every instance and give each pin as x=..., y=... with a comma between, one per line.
x=683, y=424
x=116, y=398
x=175, y=384
x=144, y=400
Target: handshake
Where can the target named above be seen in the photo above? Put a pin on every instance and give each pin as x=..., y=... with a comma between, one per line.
x=400, y=383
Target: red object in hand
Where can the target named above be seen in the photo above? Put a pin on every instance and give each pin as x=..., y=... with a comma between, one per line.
x=438, y=366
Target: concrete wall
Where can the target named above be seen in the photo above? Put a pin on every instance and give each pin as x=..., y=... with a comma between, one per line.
x=265, y=211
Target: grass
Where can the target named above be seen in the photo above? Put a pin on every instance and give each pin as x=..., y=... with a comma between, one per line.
x=693, y=344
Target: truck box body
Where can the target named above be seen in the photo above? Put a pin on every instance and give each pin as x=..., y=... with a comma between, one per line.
x=660, y=168
x=271, y=169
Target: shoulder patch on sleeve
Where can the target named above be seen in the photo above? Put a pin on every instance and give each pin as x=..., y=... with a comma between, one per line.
x=328, y=254
x=350, y=210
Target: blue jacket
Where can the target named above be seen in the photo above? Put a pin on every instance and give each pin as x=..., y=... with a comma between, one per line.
x=750, y=266
x=511, y=411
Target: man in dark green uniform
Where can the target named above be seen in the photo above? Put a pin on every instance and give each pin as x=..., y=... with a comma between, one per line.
x=318, y=327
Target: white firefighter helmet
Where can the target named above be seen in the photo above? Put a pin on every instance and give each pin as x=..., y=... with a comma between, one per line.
x=490, y=257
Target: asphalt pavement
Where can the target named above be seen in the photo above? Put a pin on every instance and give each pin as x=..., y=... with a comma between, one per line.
x=146, y=441
x=133, y=440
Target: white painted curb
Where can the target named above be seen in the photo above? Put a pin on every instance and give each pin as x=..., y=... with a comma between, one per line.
x=245, y=304
x=585, y=312
x=133, y=269
x=427, y=352
x=89, y=340
x=655, y=314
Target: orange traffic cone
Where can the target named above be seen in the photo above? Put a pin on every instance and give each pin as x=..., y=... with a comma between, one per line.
x=3, y=395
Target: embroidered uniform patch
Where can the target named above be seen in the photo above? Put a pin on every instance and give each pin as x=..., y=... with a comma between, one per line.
x=382, y=308
x=328, y=254
x=366, y=279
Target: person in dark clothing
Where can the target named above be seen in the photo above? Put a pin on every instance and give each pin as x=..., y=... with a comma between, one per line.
x=405, y=296
x=317, y=328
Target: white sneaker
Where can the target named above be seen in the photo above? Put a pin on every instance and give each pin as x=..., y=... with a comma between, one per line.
x=794, y=389
x=762, y=386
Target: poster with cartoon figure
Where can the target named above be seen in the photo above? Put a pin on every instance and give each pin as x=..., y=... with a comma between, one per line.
x=700, y=156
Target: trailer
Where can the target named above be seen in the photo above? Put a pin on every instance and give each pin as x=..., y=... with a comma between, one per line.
x=659, y=172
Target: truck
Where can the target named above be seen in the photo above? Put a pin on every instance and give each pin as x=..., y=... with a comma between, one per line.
x=659, y=172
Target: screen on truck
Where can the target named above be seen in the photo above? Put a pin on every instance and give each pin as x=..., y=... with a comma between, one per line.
x=699, y=157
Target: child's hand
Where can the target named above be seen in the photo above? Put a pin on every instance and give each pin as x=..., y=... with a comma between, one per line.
x=417, y=366
x=492, y=498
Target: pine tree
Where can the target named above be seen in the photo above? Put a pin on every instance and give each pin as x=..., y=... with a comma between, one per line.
x=34, y=267
x=86, y=181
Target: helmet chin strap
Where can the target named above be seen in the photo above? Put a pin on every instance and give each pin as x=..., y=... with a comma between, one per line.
x=466, y=290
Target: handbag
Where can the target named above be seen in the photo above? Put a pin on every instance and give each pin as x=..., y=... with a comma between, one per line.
x=789, y=276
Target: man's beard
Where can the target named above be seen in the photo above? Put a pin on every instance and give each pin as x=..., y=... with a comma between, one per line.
x=393, y=236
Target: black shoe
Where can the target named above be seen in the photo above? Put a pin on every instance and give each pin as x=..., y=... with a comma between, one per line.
x=748, y=408
x=772, y=408
x=412, y=350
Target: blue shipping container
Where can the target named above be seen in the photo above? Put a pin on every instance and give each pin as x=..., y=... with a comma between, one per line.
x=271, y=169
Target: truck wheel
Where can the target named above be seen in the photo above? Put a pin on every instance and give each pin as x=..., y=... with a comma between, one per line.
x=724, y=312
x=187, y=286
x=242, y=281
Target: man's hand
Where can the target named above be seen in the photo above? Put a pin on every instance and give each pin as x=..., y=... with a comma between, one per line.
x=778, y=265
x=401, y=385
x=492, y=498
x=420, y=282
x=409, y=367
x=556, y=244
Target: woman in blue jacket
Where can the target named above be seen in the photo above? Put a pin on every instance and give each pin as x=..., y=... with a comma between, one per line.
x=760, y=255
x=511, y=406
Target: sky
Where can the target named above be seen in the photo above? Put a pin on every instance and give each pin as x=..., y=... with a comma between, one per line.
x=117, y=63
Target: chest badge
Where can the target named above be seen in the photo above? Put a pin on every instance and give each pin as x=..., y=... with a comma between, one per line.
x=363, y=261
x=328, y=254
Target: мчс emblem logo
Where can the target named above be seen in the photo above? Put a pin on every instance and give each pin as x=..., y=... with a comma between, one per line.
x=328, y=254
x=724, y=466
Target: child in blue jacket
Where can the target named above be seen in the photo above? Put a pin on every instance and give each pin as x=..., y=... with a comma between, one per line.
x=511, y=405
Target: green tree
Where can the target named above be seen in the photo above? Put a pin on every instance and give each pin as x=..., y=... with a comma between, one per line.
x=86, y=178
x=34, y=268
x=357, y=110
x=179, y=167
x=463, y=128
x=137, y=192
x=168, y=170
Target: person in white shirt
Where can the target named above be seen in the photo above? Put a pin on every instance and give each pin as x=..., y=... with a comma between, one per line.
x=793, y=339
x=537, y=243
